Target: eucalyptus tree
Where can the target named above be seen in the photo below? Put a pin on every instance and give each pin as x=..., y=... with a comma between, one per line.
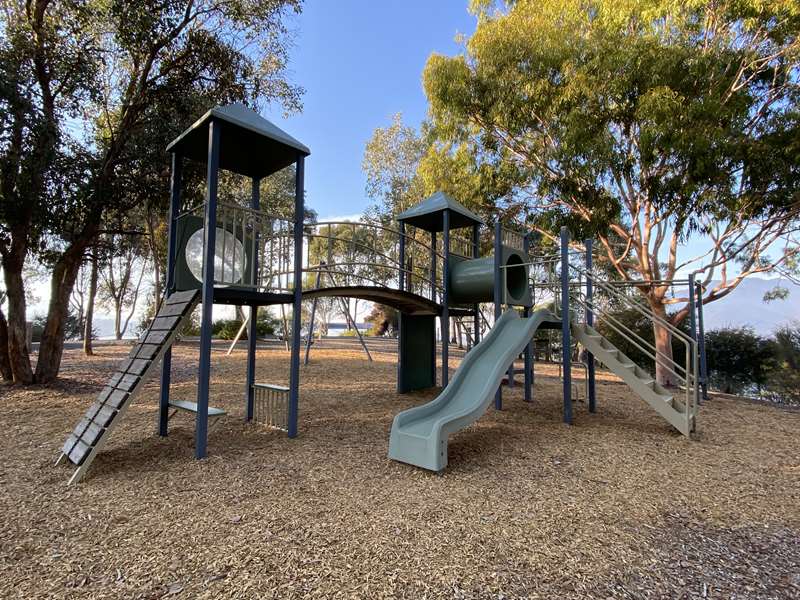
x=89, y=92
x=645, y=124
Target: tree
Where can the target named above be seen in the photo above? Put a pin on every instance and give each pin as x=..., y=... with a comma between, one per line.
x=641, y=124
x=739, y=361
x=88, y=322
x=783, y=380
x=121, y=278
x=5, y=363
x=384, y=319
x=88, y=94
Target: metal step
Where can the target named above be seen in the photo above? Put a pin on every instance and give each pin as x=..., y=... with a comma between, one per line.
x=637, y=379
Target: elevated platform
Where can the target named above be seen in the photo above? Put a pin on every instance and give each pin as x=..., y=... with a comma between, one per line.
x=406, y=302
x=246, y=297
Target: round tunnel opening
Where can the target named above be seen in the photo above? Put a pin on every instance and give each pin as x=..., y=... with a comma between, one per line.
x=516, y=277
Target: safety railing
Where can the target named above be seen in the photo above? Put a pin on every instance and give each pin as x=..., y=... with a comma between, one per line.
x=271, y=405
x=685, y=372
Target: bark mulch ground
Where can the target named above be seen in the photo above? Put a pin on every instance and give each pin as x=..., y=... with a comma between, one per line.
x=616, y=506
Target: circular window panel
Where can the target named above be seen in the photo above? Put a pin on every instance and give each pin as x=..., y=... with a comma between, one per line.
x=228, y=257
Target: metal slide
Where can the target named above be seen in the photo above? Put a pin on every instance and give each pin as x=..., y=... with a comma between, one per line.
x=419, y=435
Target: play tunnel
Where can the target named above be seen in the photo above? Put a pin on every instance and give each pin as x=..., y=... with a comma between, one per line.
x=472, y=280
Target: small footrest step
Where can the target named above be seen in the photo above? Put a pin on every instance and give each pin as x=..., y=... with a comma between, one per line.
x=192, y=407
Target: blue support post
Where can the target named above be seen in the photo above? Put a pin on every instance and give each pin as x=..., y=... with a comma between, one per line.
x=402, y=258
x=209, y=247
x=498, y=249
x=252, y=328
x=701, y=343
x=476, y=251
x=445, y=319
x=294, y=373
x=166, y=363
x=566, y=342
x=433, y=266
x=526, y=245
x=692, y=316
x=590, y=322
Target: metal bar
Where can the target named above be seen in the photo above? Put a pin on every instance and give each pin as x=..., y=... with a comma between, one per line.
x=498, y=248
x=433, y=266
x=294, y=373
x=476, y=336
x=590, y=375
x=401, y=277
x=222, y=212
x=166, y=365
x=209, y=246
x=528, y=363
x=238, y=336
x=692, y=327
x=311, y=324
x=566, y=344
x=445, y=318
x=701, y=344
x=255, y=201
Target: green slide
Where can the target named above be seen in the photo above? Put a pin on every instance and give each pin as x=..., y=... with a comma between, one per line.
x=419, y=435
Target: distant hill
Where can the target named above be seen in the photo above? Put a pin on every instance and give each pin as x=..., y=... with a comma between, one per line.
x=745, y=306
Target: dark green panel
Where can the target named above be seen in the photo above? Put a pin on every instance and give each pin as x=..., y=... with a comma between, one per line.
x=188, y=225
x=472, y=280
x=416, y=353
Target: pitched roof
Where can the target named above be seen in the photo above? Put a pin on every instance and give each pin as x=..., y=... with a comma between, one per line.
x=427, y=214
x=249, y=143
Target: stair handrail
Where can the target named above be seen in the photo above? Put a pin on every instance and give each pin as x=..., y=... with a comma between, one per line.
x=629, y=335
x=691, y=379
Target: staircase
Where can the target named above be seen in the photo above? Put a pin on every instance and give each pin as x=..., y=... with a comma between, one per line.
x=670, y=406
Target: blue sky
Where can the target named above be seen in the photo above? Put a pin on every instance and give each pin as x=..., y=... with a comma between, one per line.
x=361, y=62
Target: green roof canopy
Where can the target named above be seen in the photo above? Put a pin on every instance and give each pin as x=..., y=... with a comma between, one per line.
x=249, y=144
x=427, y=214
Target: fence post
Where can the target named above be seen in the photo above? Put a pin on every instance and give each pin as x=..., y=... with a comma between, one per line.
x=566, y=343
x=590, y=322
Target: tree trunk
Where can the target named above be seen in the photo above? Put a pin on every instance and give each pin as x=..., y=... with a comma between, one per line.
x=52, y=345
x=663, y=344
x=18, y=355
x=117, y=319
x=5, y=363
x=89, y=323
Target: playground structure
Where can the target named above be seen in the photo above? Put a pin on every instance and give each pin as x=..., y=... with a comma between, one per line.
x=243, y=254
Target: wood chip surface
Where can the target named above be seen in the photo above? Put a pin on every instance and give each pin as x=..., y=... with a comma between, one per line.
x=617, y=505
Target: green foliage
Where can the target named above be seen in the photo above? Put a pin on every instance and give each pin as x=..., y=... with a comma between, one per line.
x=738, y=359
x=639, y=123
x=783, y=383
x=384, y=319
x=90, y=95
x=73, y=327
x=226, y=329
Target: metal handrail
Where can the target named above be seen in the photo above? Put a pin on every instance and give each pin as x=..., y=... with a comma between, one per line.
x=690, y=379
